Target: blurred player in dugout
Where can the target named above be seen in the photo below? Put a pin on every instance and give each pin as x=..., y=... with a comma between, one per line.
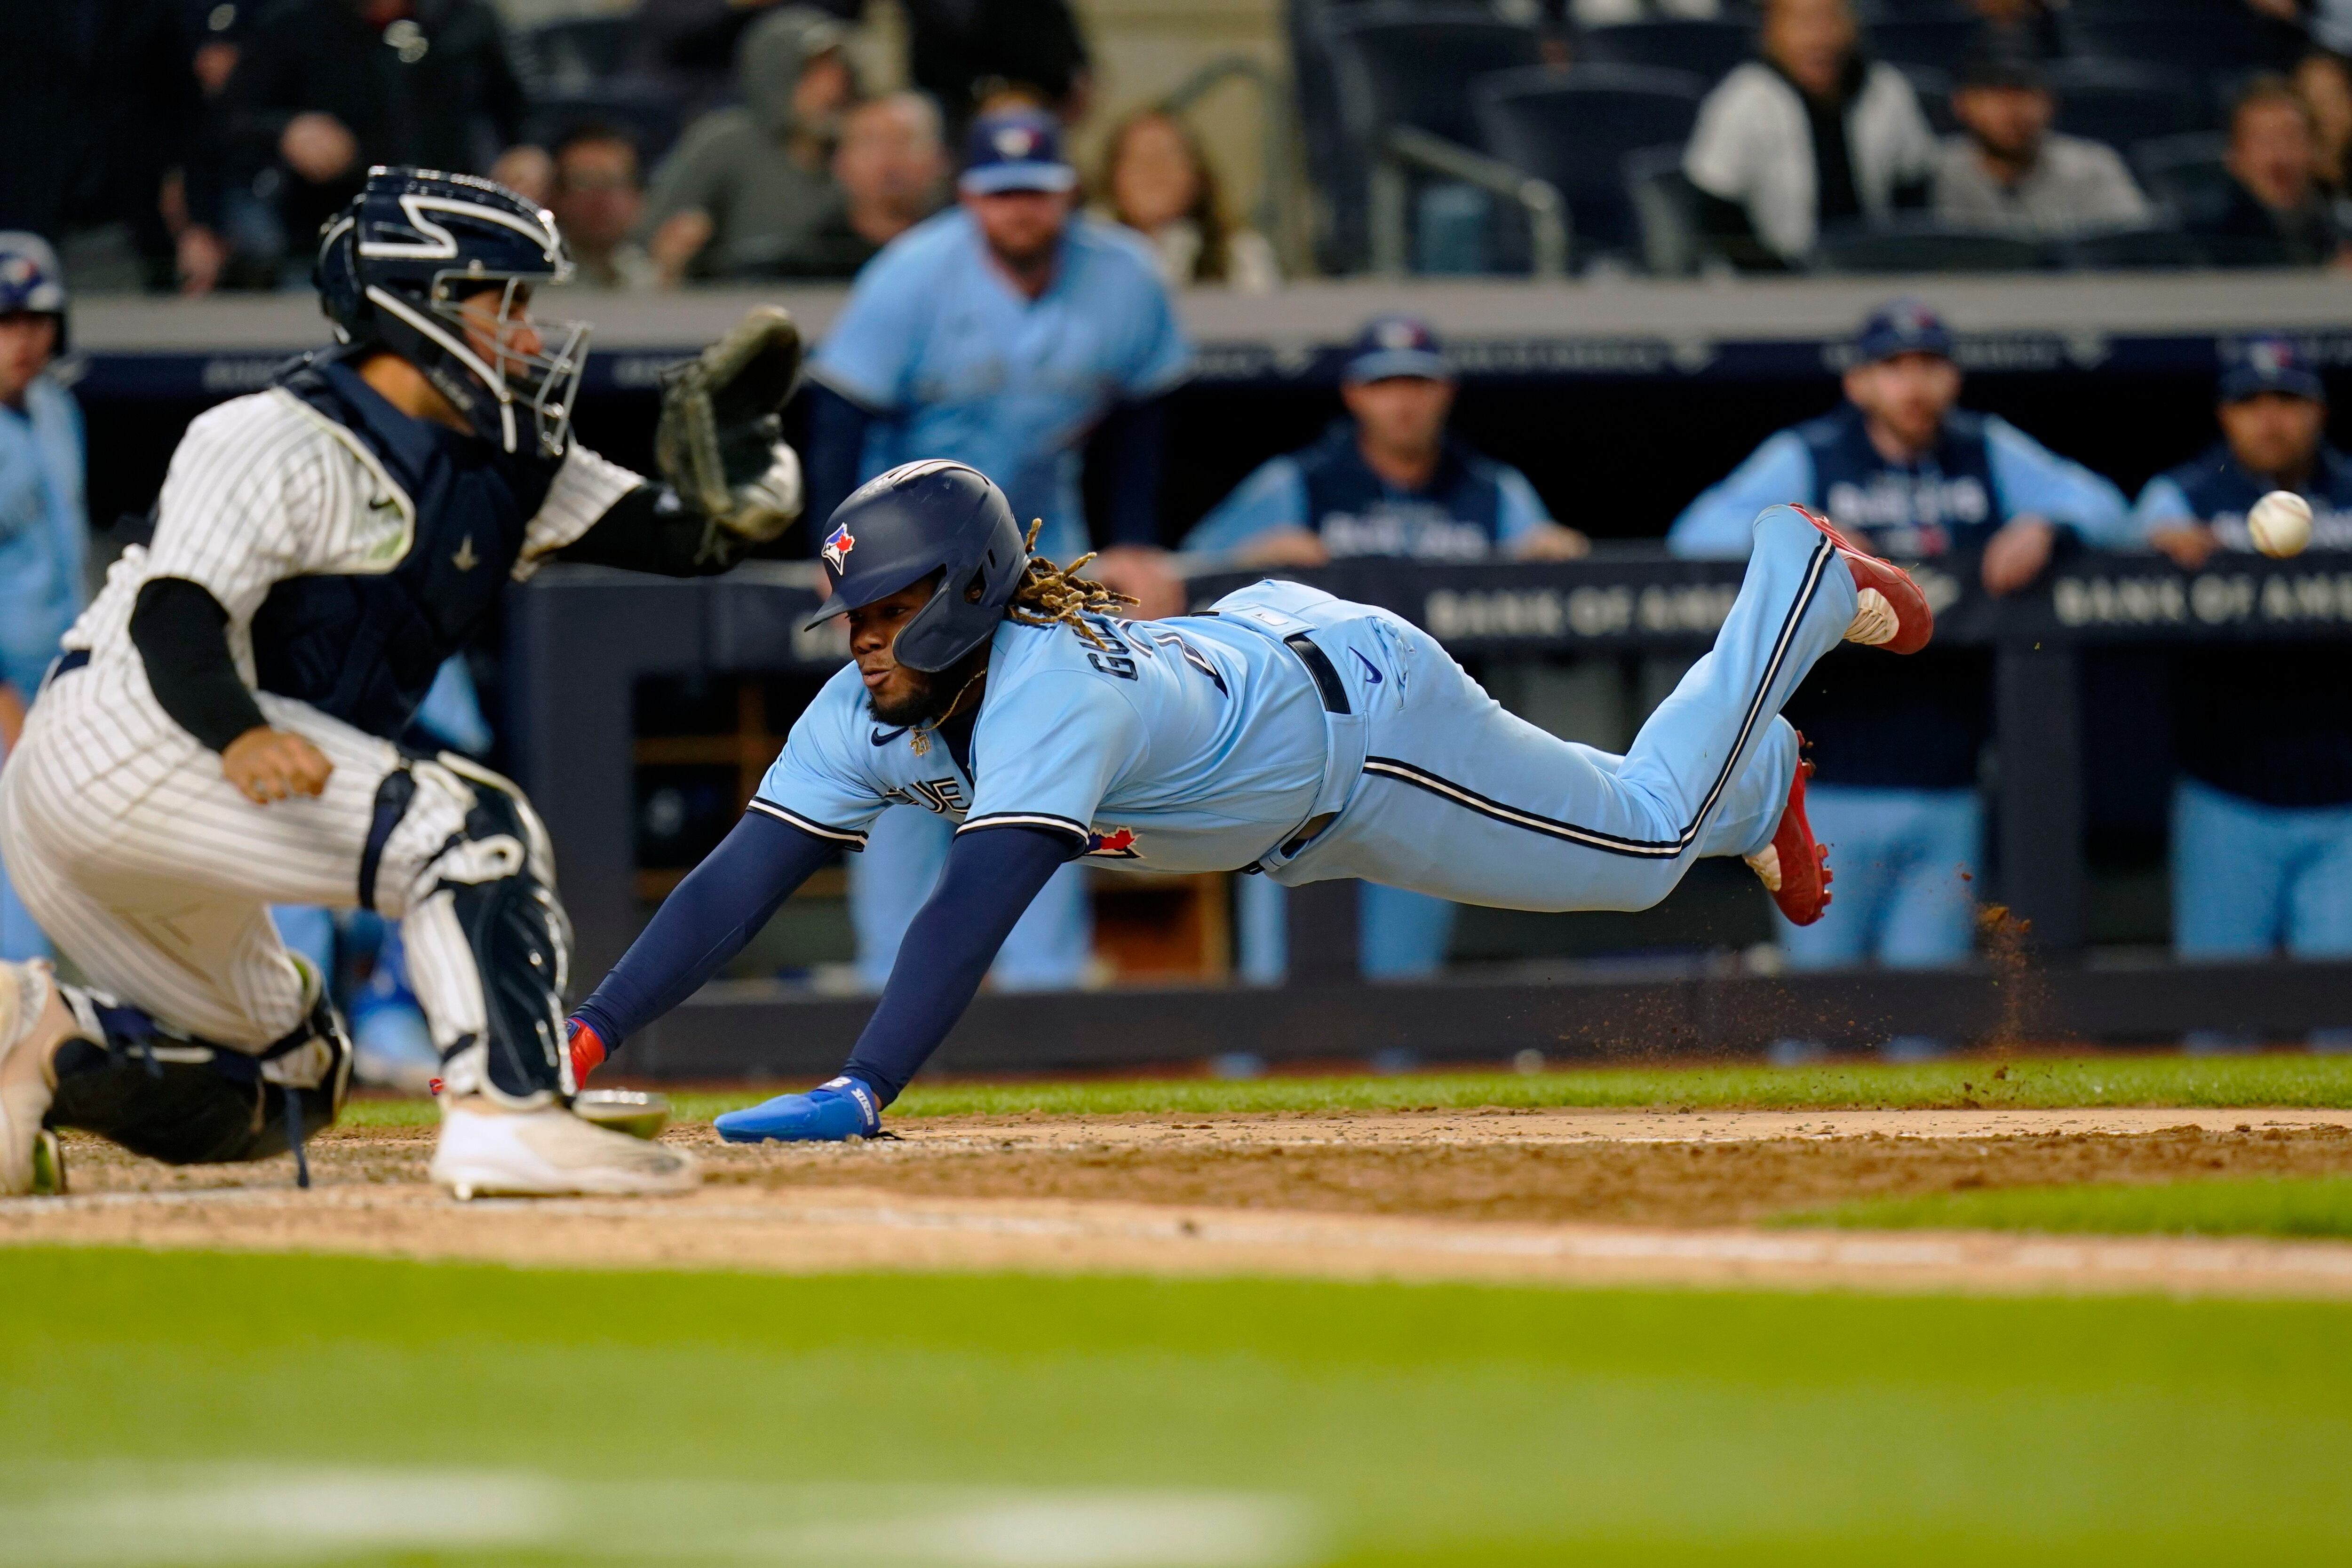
x=1386, y=479
x=1901, y=466
x=2262, y=815
x=44, y=524
x=1006, y=333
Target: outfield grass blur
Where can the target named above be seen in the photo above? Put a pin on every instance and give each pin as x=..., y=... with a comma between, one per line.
x=1404, y=1424
x=2171, y=1081
x=2267, y=1205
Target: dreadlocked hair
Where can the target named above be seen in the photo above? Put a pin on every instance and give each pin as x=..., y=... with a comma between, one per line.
x=1052, y=595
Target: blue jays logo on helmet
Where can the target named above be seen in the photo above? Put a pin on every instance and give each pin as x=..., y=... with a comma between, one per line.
x=31, y=282
x=438, y=268
x=837, y=546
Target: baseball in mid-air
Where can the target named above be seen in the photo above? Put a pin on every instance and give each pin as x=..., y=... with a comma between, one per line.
x=2280, y=523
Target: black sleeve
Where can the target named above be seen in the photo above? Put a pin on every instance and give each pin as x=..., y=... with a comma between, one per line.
x=705, y=921
x=1913, y=194
x=837, y=450
x=1725, y=226
x=1134, y=440
x=989, y=880
x=648, y=530
x=181, y=633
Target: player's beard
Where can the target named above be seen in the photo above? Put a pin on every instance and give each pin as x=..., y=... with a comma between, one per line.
x=928, y=695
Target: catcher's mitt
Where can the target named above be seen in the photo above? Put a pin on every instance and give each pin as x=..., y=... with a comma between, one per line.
x=719, y=442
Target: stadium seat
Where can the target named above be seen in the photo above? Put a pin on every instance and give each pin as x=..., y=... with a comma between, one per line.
x=2134, y=248
x=2183, y=174
x=1708, y=49
x=1665, y=208
x=1411, y=65
x=2204, y=36
x=1927, y=249
x=2121, y=103
x=572, y=56
x=650, y=117
x=1574, y=128
x=1937, y=40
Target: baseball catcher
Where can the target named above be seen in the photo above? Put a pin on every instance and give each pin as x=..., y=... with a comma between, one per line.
x=218, y=736
x=1283, y=732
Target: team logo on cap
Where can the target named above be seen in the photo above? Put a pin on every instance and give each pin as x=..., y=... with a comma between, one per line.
x=2269, y=356
x=16, y=271
x=837, y=546
x=1399, y=335
x=1014, y=142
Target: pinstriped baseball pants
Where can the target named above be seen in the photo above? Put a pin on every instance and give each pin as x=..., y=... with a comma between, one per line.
x=148, y=868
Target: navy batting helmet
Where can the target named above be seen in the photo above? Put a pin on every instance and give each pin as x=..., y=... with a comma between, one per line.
x=31, y=282
x=438, y=268
x=919, y=518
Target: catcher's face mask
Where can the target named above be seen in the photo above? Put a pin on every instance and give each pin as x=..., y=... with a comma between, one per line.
x=528, y=366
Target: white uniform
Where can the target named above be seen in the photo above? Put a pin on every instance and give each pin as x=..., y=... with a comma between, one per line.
x=130, y=846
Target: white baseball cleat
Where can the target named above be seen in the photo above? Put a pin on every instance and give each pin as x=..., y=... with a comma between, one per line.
x=34, y=1021
x=488, y=1151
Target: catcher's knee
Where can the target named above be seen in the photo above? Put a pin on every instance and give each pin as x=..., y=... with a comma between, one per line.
x=186, y=1102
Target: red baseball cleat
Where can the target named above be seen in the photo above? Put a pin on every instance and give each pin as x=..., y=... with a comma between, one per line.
x=1795, y=870
x=1893, y=613
x=588, y=1053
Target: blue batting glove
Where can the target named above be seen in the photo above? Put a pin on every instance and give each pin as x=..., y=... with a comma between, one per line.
x=839, y=1109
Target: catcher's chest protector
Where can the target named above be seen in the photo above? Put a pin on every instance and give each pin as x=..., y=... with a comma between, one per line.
x=366, y=647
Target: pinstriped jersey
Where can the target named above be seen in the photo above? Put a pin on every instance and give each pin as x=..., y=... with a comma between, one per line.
x=1184, y=745
x=264, y=488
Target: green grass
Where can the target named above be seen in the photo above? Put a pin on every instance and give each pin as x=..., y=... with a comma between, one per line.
x=2173, y=1081
x=2264, y=1205
x=1408, y=1425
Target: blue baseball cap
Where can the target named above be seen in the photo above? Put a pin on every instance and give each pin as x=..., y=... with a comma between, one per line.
x=1396, y=346
x=1015, y=149
x=1903, y=326
x=2261, y=365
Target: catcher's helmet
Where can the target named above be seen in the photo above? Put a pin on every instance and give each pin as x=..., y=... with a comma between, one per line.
x=436, y=268
x=919, y=518
x=31, y=282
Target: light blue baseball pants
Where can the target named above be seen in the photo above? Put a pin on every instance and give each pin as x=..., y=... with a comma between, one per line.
x=2249, y=879
x=1462, y=799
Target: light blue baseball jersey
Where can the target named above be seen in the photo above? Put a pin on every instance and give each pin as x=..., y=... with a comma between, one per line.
x=1183, y=745
x=44, y=530
x=2028, y=479
x=1274, y=497
x=960, y=364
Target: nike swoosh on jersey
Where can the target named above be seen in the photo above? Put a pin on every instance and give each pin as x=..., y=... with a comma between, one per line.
x=1371, y=670
x=880, y=737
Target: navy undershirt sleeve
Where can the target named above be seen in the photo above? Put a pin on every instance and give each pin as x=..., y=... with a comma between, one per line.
x=720, y=905
x=991, y=876
x=836, y=450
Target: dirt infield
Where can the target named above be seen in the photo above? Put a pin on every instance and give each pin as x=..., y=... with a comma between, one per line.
x=1555, y=1195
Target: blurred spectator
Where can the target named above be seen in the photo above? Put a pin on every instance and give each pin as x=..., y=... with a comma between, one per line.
x=890, y=167
x=95, y=118
x=1908, y=474
x=1614, y=13
x=323, y=89
x=2324, y=82
x=1157, y=180
x=747, y=190
x=2273, y=212
x=2262, y=818
x=2011, y=174
x=2330, y=21
x=1814, y=136
x=597, y=202
x=687, y=49
x=43, y=525
x=2028, y=28
x=1003, y=334
x=1388, y=479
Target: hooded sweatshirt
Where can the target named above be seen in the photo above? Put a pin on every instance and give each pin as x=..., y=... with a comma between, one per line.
x=766, y=208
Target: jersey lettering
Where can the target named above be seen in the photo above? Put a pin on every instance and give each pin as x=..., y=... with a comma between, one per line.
x=941, y=796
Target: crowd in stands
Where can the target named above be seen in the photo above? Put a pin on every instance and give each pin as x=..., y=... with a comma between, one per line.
x=197, y=144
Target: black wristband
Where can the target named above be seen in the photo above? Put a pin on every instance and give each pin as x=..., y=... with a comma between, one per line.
x=181, y=633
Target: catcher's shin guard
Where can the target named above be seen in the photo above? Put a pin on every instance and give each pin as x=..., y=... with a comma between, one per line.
x=489, y=947
x=185, y=1101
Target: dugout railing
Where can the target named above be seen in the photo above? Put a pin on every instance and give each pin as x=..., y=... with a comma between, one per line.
x=582, y=638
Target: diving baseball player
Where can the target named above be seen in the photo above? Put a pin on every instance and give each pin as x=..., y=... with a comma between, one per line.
x=1282, y=732
x=215, y=739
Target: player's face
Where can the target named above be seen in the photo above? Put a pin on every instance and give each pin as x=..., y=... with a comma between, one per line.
x=499, y=328
x=1908, y=393
x=895, y=694
x=1021, y=227
x=27, y=341
x=1403, y=415
x=2271, y=432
